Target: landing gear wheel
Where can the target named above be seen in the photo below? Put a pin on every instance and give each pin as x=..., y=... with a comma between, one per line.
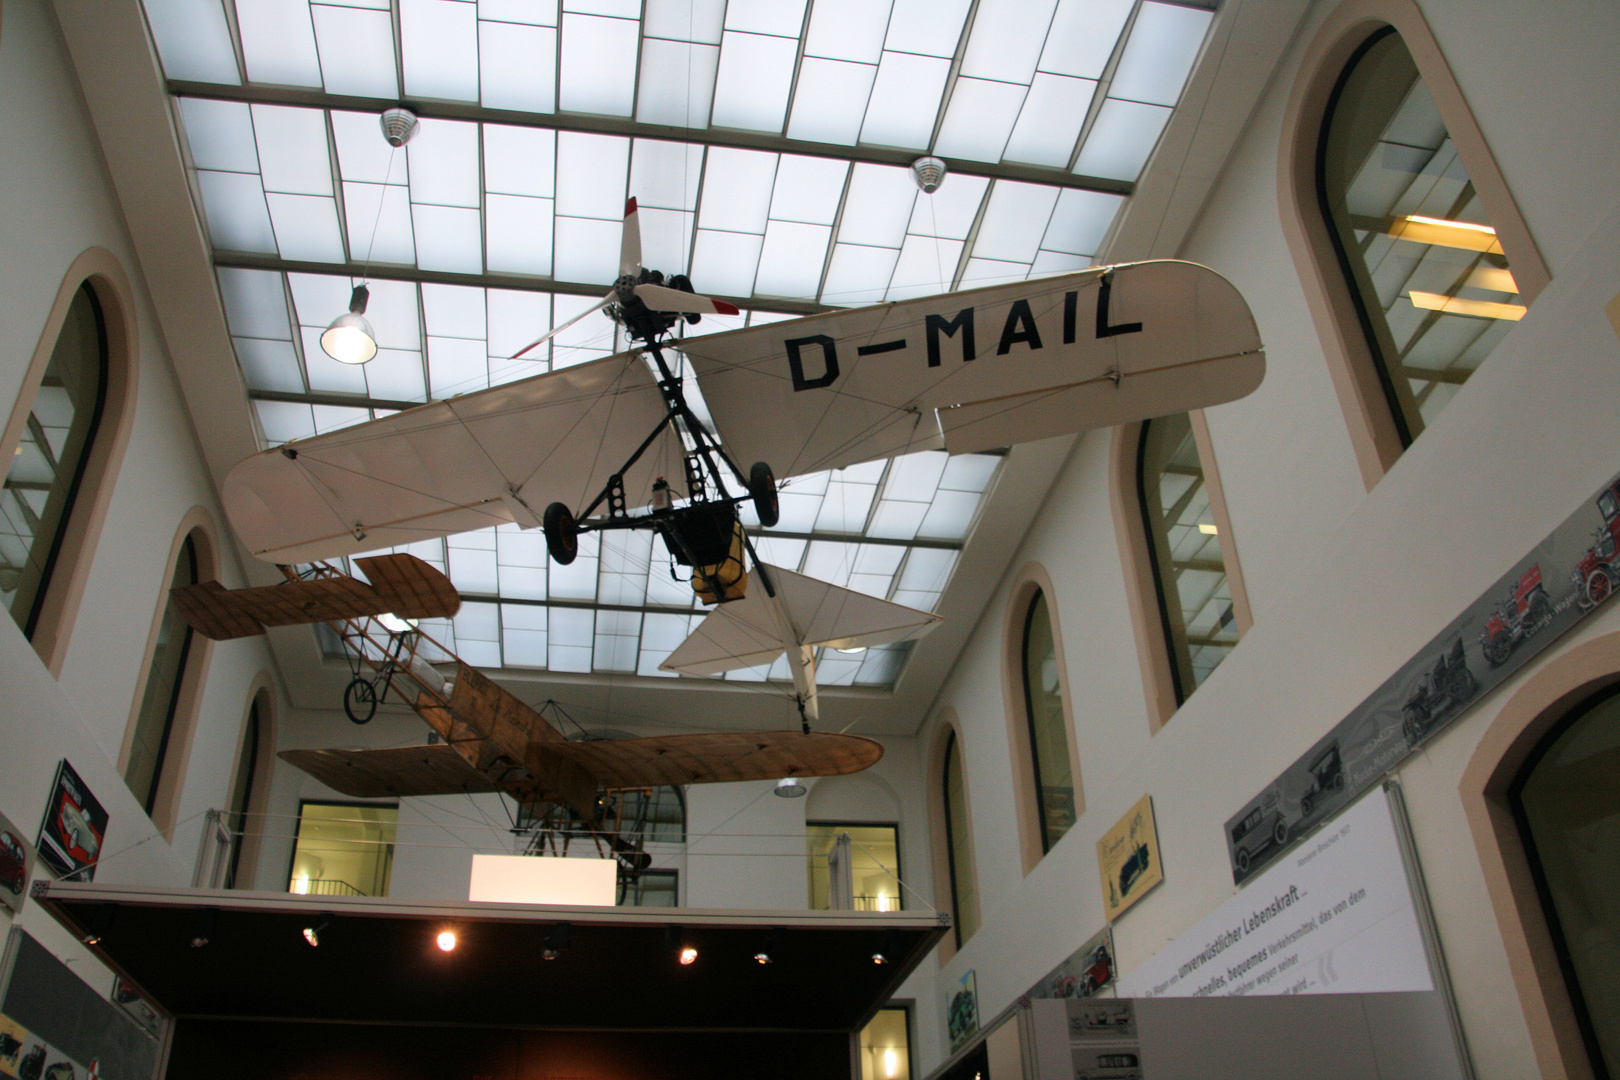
x=360, y=700
x=562, y=533
x=762, y=489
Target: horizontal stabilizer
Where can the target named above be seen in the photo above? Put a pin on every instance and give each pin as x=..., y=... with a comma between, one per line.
x=401, y=584
x=747, y=633
x=395, y=773
x=719, y=757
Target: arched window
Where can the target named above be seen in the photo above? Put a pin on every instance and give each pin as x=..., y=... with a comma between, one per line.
x=165, y=679
x=49, y=461
x=1427, y=272
x=958, y=845
x=1048, y=726
x=1566, y=799
x=1194, y=596
x=247, y=764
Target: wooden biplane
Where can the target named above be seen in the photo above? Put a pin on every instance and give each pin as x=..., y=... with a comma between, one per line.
x=491, y=740
x=593, y=443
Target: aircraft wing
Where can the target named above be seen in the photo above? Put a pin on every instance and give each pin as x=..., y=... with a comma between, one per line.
x=403, y=771
x=401, y=584
x=719, y=757
x=747, y=632
x=468, y=462
x=982, y=368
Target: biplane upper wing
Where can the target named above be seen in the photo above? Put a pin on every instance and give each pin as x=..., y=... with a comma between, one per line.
x=400, y=584
x=719, y=757
x=395, y=773
x=468, y=462
x=982, y=368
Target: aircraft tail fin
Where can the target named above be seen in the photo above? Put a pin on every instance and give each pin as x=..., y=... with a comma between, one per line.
x=747, y=633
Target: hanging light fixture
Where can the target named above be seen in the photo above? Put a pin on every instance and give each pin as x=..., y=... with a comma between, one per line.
x=350, y=339
x=929, y=172
x=790, y=787
x=312, y=932
x=556, y=942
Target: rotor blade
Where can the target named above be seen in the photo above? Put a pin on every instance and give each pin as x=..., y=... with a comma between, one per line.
x=660, y=298
x=630, y=246
x=598, y=306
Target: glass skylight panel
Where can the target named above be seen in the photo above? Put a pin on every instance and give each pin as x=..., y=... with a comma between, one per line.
x=660, y=635
x=439, y=48
x=238, y=219
x=982, y=273
x=219, y=134
x=737, y=187
x=929, y=27
x=676, y=83
x=808, y=189
x=1081, y=221
x=1006, y=39
x=448, y=238
x=847, y=30
x=523, y=635
x=278, y=42
x=455, y=366
x=969, y=472
x=444, y=162
x=534, y=12
x=577, y=580
x=791, y=260
x=625, y=560
x=269, y=365
x=845, y=506
x=1050, y=121
x=623, y=9
x=284, y=421
x=979, y=119
x=519, y=161
x=357, y=51
x=306, y=227
x=1058, y=262
x=1083, y=36
x=588, y=339
x=618, y=637
x=1159, y=54
x=905, y=99
x=517, y=67
x=781, y=17
x=395, y=375
x=926, y=266
x=1014, y=221
x=878, y=205
x=755, y=77
x=951, y=515
x=1121, y=139
x=925, y=570
x=880, y=666
x=472, y=563
x=586, y=250
x=292, y=149
x=830, y=560
x=515, y=319
x=255, y=303
x=598, y=65
x=858, y=274
x=518, y=235
x=724, y=263
x=478, y=634
x=521, y=559
x=685, y=20
x=334, y=417
x=362, y=154
x=780, y=550
x=591, y=174
x=666, y=175
x=666, y=238
x=379, y=223
x=193, y=40
x=326, y=375
x=829, y=103
x=951, y=210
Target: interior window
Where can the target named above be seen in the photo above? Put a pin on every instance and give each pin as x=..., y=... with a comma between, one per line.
x=1048, y=734
x=242, y=791
x=958, y=852
x=874, y=853
x=1567, y=801
x=155, y=721
x=886, y=1046
x=649, y=888
x=1429, y=277
x=343, y=849
x=1194, y=596
x=43, y=477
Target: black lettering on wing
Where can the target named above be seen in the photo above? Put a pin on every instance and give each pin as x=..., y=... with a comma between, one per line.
x=829, y=359
x=1020, y=327
x=938, y=324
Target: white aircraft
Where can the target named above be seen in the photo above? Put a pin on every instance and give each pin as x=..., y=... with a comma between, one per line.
x=579, y=449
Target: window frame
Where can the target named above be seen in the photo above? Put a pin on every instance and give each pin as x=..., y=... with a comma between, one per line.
x=245, y=851
x=298, y=824
x=845, y=824
x=61, y=595
x=1356, y=373
x=955, y=875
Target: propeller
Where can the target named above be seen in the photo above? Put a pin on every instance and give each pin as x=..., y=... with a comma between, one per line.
x=656, y=297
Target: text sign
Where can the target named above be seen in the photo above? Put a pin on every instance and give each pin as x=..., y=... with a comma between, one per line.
x=1334, y=917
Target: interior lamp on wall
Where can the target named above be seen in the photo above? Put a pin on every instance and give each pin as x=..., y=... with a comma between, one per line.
x=350, y=339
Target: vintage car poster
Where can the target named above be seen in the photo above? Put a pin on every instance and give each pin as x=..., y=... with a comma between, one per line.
x=16, y=864
x=70, y=836
x=1128, y=859
x=962, y=1011
x=1087, y=970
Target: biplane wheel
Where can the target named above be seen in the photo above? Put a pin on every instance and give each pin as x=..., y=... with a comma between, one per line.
x=360, y=700
x=562, y=533
x=762, y=488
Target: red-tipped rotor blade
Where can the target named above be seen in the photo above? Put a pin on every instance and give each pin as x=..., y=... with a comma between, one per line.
x=604, y=302
x=659, y=298
x=630, y=246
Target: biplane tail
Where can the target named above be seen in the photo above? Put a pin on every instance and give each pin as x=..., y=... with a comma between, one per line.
x=805, y=613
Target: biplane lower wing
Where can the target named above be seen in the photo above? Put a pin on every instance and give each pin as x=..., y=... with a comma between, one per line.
x=719, y=757
x=394, y=773
x=851, y=386
x=402, y=585
x=469, y=462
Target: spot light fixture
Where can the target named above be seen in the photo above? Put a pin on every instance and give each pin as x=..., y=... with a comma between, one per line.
x=446, y=940
x=772, y=949
x=790, y=787
x=313, y=932
x=674, y=938
x=100, y=923
x=886, y=949
x=202, y=927
x=349, y=339
x=556, y=942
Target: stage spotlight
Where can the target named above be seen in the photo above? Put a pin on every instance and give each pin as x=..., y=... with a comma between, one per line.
x=773, y=947
x=688, y=955
x=556, y=942
x=313, y=932
x=202, y=927
x=446, y=940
